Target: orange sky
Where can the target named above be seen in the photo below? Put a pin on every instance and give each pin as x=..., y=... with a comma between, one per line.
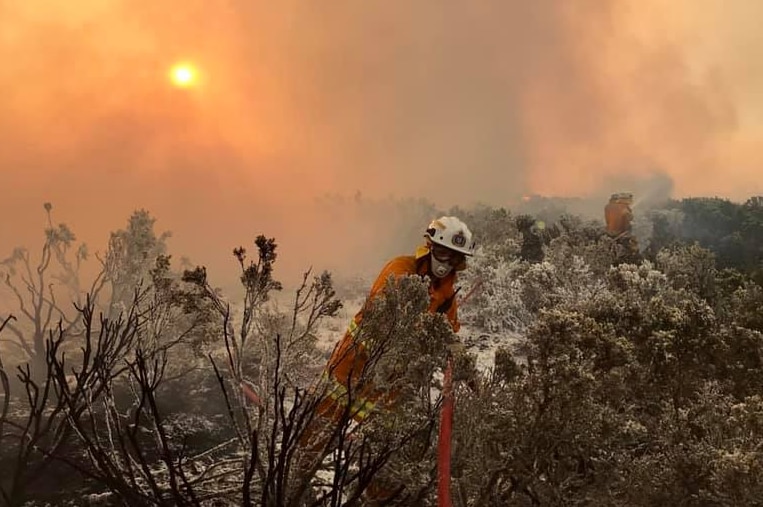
x=456, y=103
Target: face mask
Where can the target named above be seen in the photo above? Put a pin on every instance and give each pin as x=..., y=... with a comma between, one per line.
x=439, y=269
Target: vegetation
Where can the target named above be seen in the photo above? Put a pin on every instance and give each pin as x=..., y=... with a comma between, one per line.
x=616, y=382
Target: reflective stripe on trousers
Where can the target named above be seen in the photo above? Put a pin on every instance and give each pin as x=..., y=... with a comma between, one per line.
x=354, y=330
x=337, y=391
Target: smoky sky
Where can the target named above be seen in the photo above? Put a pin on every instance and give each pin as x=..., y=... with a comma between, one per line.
x=455, y=103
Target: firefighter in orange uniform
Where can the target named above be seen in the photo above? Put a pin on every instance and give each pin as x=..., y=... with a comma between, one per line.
x=619, y=216
x=448, y=243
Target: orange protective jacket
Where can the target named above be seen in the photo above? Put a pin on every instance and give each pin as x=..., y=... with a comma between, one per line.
x=618, y=216
x=349, y=356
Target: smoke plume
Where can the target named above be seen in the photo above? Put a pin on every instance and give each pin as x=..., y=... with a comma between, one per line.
x=300, y=103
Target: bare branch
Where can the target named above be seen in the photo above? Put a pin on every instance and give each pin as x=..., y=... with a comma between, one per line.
x=5, y=383
x=20, y=342
x=19, y=298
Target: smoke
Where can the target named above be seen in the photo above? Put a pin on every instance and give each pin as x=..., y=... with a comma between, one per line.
x=301, y=103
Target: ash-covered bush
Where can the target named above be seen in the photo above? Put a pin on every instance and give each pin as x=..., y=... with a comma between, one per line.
x=512, y=291
x=497, y=304
x=635, y=384
x=408, y=349
x=406, y=343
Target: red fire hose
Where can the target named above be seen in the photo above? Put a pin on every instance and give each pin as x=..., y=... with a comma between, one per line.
x=444, y=440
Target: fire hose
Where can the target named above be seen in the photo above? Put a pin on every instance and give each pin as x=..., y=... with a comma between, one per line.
x=444, y=440
x=445, y=437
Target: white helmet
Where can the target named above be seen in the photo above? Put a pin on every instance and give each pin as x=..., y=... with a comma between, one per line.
x=452, y=233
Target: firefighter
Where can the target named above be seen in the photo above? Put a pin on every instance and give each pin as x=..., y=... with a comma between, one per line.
x=619, y=217
x=448, y=244
x=618, y=214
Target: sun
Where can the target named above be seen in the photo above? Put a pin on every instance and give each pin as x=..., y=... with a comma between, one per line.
x=183, y=75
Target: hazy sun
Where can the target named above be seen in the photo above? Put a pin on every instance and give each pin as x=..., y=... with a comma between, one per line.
x=183, y=75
